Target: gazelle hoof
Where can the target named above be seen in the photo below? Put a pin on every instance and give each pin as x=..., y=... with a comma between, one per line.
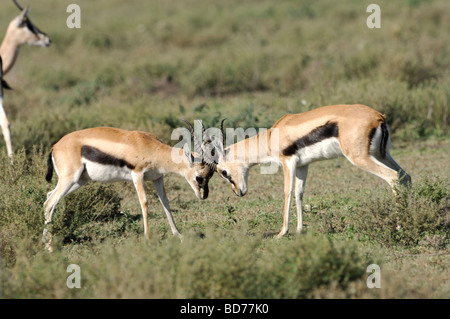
x=282, y=233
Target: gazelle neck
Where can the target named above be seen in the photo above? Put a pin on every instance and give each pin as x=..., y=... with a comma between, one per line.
x=172, y=160
x=9, y=50
x=253, y=150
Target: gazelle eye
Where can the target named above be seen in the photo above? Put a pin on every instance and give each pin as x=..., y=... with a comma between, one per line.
x=199, y=179
x=224, y=174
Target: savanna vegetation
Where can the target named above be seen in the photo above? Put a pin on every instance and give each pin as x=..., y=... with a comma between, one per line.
x=144, y=65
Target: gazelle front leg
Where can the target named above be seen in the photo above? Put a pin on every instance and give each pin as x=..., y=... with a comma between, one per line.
x=300, y=182
x=5, y=130
x=289, y=175
x=159, y=186
x=138, y=181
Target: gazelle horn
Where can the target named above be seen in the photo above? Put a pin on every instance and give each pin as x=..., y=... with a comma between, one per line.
x=197, y=146
x=18, y=5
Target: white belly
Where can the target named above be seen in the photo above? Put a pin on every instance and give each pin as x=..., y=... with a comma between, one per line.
x=106, y=173
x=110, y=173
x=325, y=149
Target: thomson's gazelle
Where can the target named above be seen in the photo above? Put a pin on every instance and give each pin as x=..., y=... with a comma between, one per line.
x=355, y=131
x=20, y=31
x=106, y=154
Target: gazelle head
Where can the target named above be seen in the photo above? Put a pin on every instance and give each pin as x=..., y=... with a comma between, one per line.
x=235, y=172
x=201, y=168
x=23, y=30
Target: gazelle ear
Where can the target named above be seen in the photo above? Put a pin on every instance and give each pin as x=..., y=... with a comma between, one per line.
x=188, y=154
x=22, y=16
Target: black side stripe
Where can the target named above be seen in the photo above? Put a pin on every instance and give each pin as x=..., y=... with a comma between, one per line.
x=329, y=129
x=95, y=155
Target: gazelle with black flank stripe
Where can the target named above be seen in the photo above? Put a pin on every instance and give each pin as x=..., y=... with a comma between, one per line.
x=355, y=131
x=20, y=31
x=105, y=154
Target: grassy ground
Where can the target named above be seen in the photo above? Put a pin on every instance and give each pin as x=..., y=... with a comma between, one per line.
x=251, y=62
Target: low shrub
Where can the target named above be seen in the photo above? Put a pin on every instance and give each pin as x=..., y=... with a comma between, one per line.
x=220, y=265
x=419, y=216
x=91, y=212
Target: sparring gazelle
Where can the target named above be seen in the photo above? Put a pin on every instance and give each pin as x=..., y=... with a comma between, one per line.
x=357, y=132
x=20, y=31
x=105, y=154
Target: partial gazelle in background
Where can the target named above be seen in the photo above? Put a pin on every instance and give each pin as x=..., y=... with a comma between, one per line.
x=20, y=31
x=105, y=154
x=3, y=120
x=357, y=132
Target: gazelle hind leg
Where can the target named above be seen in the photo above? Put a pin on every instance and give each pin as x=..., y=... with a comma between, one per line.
x=402, y=177
x=372, y=165
x=65, y=186
x=49, y=206
x=379, y=153
x=300, y=182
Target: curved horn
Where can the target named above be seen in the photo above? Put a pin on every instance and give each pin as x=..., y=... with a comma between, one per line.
x=18, y=5
x=222, y=136
x=197, y=146
x=204, y=135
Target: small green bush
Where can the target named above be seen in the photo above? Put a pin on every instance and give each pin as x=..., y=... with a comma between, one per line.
x=419, y=216
x=92, y=212
x=308, y=263
x=22, y=193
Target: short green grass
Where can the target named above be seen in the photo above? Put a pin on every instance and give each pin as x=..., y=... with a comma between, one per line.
x=250, y=62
